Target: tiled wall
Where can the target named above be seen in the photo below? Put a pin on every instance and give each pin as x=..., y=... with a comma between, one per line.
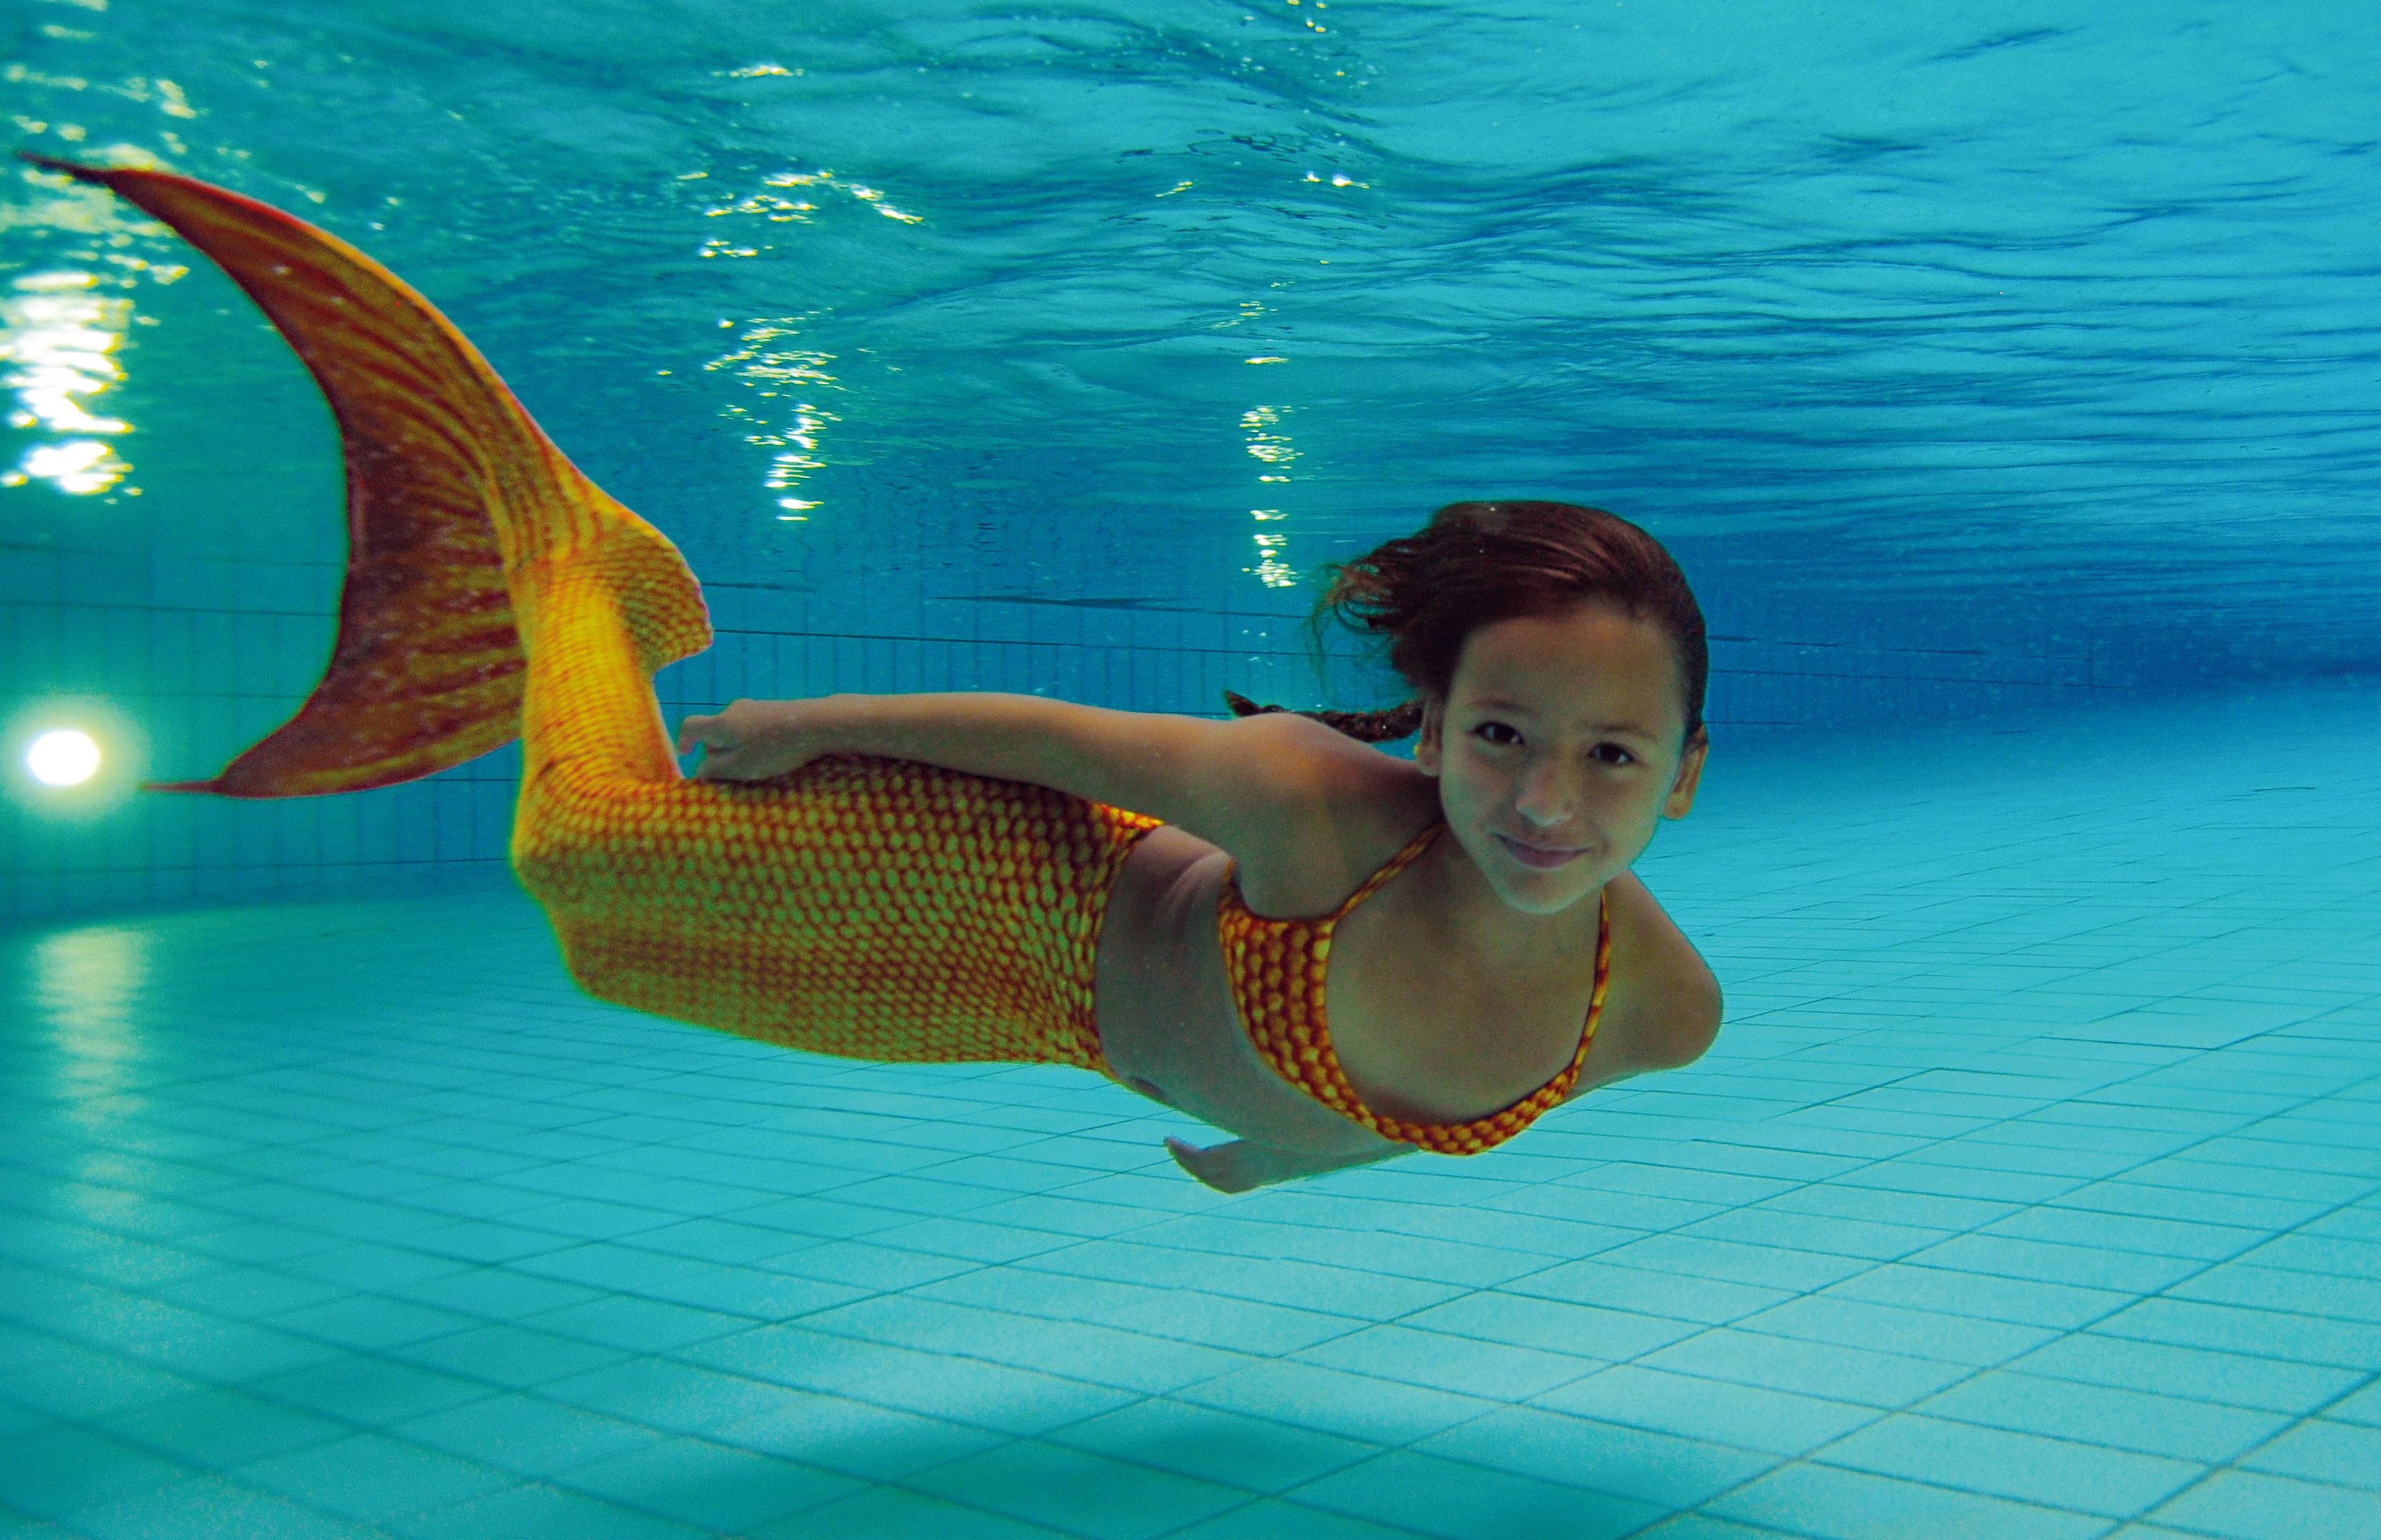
x=178, y=661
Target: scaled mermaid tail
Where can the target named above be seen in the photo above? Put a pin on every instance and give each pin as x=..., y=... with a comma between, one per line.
x=872, y=908
x=426, y=672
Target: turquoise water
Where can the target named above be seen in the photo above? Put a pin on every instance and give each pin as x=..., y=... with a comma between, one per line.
x=2003, y=378
x=2030, y=1192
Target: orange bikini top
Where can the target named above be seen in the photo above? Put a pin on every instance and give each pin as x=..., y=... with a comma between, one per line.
x=1276, y=968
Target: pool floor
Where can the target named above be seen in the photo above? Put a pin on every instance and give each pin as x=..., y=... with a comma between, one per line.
x=2031, y=1192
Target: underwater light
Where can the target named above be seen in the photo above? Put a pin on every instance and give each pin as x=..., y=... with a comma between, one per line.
x=63, y=758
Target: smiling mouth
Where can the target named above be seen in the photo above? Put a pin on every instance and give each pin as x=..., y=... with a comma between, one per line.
x=1543, y=857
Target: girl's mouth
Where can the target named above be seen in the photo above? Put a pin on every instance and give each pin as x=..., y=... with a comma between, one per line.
x=1543, y=857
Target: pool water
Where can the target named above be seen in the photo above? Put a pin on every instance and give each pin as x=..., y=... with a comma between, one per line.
x=2004, y=381
x=2033, y=1189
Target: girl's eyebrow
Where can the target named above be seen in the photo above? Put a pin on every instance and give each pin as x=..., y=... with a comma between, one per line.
x=1499, y=703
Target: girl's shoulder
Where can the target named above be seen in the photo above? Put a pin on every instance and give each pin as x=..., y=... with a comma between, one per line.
x=1662, y=1007
x=1341, y=810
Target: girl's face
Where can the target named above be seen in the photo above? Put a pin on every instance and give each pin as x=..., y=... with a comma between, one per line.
x=1559, y=748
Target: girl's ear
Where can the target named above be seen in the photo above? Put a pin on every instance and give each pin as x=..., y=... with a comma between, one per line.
x=1690, y=774
x=1430, y=749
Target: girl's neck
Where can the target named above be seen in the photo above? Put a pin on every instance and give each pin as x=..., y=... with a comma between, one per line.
x=1483, y=924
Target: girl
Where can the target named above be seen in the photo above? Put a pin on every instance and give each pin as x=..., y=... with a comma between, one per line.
x=1337, y=955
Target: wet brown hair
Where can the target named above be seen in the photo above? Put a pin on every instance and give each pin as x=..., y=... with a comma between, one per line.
x=1476, y=564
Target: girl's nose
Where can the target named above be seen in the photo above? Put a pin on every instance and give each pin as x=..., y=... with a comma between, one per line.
x=1547, y=797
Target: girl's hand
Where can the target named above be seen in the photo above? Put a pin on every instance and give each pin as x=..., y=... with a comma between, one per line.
x=1245, y=1165
x=1237, y=1167
x=756, y=740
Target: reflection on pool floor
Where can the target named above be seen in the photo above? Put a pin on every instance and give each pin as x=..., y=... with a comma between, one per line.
x=2034, y=1189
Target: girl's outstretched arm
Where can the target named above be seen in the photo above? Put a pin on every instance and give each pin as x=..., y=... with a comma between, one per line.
x=1249, y=785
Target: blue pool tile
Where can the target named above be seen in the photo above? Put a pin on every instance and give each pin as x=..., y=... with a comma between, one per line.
x=1703, y=1526
x=2166, y=1425
x=966, y=1390
x=2151, y=1194
x=633, y=1325
x=1837, y=1504
x=1762, y=1266
x=2084, y=1266
x=531, y=1512
x=1986, y=1296
x=372, y=1322
x=1215, y=1321
x=57, y=1473
x=69, y=1380
x=1287, y=1519
x=1657, y=1467
x=516, y=1357
x=357, y=1265
x=2056, y=1472
x=1934, y=1179
x=854, y=1437
x=525, y=1434
x=1824, y=1233
x=202, y=1504
x=2266, y=1333
x=1459, y=1501
x=1892, y=1328
x=710, y=1486
x=2319, y=1254
x=2159, y=1237
x=1585, y=1331
x=249, y=1292
x=865, y=1265
x=1231, y=1449
x=2171, y=1369
x=371, y=1478
x=1447, y=1361
x=1080, y=1349
x=896, y=1513
x=1726, y=1189
x=1343, y=1291
x=228, y=1280
x=1599, y=1284
x=665, y=1393
x=2341, y=1297
x=2245, y=1504
x=1823, y=1369
x=1586, y=1204
x=1080, y=1492
x=1328, y=1400
x=497, y=1293
x=217, y=1429
x=2341, y=1453
x=1693, y=1406
x=2364, y=1407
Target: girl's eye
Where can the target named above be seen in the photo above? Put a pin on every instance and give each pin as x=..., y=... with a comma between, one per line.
x=1497, y=733
x=1612, y=754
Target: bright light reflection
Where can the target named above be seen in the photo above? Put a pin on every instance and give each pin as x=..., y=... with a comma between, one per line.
x=87, y=987
x=1274, y=452
x=61, y=337
x=62, y=757
x=781, y=420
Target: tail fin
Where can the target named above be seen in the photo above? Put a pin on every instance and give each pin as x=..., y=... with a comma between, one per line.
x=449, y=478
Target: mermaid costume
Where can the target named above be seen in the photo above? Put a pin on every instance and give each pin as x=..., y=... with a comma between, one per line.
x=870, y=908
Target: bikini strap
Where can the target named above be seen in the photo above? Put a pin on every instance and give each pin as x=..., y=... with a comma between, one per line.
x=1595, y=993
x=1396, y=864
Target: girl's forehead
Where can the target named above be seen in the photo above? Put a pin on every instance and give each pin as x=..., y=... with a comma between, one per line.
x=1600, y=661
